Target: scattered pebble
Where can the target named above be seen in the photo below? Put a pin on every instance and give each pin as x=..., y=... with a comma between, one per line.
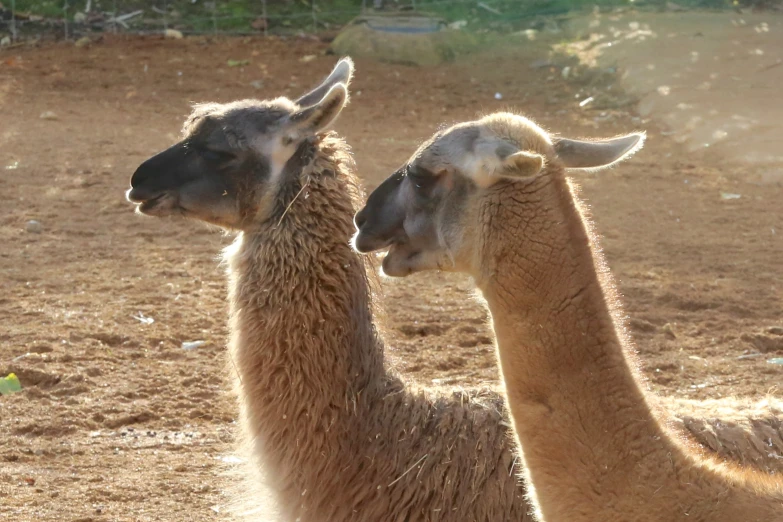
x=192, y=345
x=230, y=459
x=729, y=195
x=586, y=101
x=143, y=318
x=668, y=331
x=34, y=227
x=48, y=115
x=173, y=33
x=498, y=96
x=775, y=360
x=307, y=58
x=258, y=84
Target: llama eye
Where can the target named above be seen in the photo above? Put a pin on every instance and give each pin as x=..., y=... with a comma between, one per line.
x=421, y=179
x=214, y=156
x=413, y=173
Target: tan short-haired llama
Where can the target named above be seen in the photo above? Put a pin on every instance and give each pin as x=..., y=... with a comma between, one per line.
x=337, y=435
x=491, y=198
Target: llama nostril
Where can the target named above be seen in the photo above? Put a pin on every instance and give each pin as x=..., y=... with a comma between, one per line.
x=139, y=194
x=359, y=220
x=137, y=180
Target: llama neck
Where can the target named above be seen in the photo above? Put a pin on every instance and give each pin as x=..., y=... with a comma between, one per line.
x=303, y=340
x=580, y=414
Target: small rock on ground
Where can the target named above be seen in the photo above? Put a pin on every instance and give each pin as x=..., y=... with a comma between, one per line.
x=34, y=227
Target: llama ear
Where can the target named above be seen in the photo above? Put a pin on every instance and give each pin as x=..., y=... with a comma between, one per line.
x=342, y=73
x=576, y=154
x=522, y=164
x=313, y=119
x=497, y=159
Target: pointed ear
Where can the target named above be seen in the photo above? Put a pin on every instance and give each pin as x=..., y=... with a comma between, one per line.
x=311, y=120
x=495, y=159
x=522, y=164
x=342, y=73
x=576, y=154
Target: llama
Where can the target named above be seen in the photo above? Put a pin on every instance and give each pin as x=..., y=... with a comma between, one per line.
x=491, y=198
x=337, y=435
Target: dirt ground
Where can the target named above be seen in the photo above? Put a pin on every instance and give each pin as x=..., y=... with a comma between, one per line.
x=713, y=80
x=118, y=422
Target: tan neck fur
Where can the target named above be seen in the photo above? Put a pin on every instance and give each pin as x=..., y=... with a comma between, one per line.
x=592, y=447
x=296, y=287
x=337, y=436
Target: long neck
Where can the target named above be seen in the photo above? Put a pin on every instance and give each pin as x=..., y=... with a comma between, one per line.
x=578, y=410
x=303, y=341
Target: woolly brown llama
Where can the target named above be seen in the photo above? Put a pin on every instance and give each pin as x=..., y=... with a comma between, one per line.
x=336, y=435
x=491, y=198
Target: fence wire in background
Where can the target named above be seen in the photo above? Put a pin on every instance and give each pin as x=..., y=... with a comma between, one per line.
x=73, y=19
x=78, y=18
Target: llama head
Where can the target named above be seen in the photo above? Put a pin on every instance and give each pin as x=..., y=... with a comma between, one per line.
x=428, y=212
x=236, y=157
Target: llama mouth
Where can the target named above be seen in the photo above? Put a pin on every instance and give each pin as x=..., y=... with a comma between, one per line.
x=160, y=205
x=399, y=260
x=367, y=243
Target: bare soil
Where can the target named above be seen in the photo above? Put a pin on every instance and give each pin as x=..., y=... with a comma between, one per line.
x=712, y=79
x=118, y=422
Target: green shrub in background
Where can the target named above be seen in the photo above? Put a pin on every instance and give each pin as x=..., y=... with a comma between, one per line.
x=292, y=15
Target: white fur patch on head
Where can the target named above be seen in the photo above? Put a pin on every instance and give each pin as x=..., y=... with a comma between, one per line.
x=479, y=168
x=277, y=151
x=501, y=145
x=319, y=109
x=493, y=159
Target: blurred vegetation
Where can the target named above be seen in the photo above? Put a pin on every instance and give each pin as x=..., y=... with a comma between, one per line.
x=294, y=15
